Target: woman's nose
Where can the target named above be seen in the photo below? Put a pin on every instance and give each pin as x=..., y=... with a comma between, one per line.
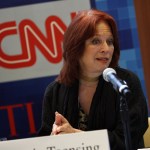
x=104, y=47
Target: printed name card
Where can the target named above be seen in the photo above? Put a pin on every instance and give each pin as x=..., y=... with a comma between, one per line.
x=91, y=140
x=144, y=149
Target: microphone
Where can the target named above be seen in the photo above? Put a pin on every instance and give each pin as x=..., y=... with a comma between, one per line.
x=119, y=85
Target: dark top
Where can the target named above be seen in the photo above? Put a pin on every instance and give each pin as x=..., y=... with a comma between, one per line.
x=104, y=111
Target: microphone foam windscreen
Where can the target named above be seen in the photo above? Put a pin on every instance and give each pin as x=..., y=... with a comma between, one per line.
x=106, y=72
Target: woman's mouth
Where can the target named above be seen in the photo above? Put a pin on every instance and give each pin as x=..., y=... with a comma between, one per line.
x=102, y=59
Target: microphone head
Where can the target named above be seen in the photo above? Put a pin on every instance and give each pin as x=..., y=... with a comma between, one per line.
x=106, y=72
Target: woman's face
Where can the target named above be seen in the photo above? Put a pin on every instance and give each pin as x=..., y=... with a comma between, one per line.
x=98, y=51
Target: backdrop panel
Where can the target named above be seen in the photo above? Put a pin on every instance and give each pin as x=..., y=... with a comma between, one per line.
x=30, y=57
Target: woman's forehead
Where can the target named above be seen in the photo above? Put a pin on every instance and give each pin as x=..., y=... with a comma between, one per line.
x=102, y=28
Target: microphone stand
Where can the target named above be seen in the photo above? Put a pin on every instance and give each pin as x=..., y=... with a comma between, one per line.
x=125, y=121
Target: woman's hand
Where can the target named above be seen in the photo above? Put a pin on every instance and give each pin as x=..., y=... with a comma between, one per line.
x=62, y=126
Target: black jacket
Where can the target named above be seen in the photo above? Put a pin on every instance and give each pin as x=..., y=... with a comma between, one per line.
x=104, y=112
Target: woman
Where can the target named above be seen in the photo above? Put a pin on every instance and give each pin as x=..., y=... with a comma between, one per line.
x=80, y=100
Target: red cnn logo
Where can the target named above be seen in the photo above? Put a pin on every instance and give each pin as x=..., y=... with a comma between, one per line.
x=30, y=38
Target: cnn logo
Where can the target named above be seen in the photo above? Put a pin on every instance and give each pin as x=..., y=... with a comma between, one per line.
x=30, y=36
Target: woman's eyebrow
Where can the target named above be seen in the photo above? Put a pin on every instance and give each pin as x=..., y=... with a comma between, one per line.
x=99, y=35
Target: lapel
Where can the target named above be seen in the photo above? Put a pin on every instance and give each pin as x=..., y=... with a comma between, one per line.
x=70, y=110
x=96, y=115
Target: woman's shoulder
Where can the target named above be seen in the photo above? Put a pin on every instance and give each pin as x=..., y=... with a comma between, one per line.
x=122, y=72
x=129, y=76
x=55, y=86
x=52, y=87
x=52, y=84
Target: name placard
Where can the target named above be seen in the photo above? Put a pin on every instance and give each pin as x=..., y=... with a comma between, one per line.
x=144, y=149
x=91, y=140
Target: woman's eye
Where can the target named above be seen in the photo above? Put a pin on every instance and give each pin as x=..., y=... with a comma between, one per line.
x=95, y=41
x=110, y=42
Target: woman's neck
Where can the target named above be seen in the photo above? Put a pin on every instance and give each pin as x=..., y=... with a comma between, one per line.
x=88, y=81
